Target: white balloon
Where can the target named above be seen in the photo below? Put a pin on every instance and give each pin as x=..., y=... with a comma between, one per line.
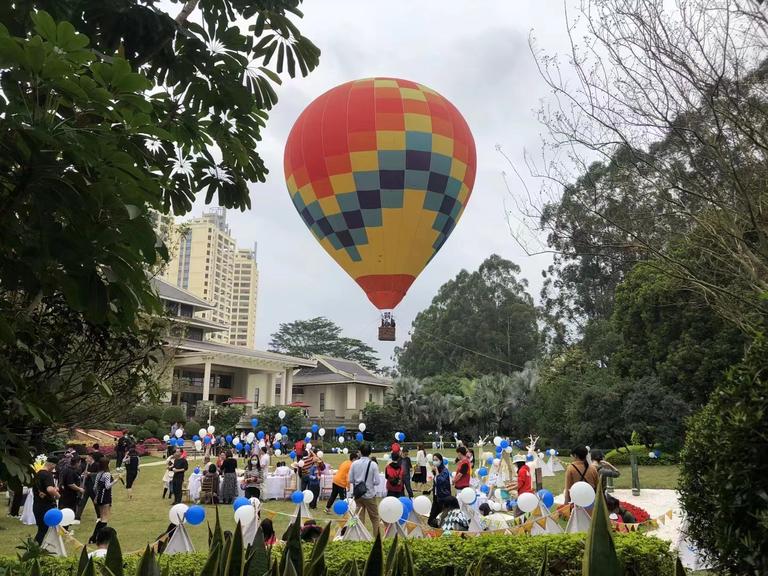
x=236, y=440
x=497, y=493
x=67, y=516
x=245, y=515
x=361, y=427
x=211, y=429
x=582, y=494
x=321, y=432
x=198, y=445
x=496, y=461
x=422, y=505
x=508, y=449
x=528, y=502
x=495, y=506
x=346, y=451
x=166, y=438
x=497, y=441
x=278, y=437
x=177, y=512
x=278, y=452
x=262, y=444
x=341, y=439
x=429, y=458
x=651, y=454
x=202, y=432
x=250, y=437
x=308, y=496
x=179, y=433
x=390, y=509
x=320, y=454
x=467, y=495
x=281, y=414
x=397, y=436
x=308, y=435
x=309, y=446
x=256, y=503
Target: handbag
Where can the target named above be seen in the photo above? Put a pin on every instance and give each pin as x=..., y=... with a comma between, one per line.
x=359, y=490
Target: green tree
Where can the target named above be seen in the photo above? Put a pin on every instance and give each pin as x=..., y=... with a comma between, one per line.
x=655, y=413
x=321, y=337
x=724, y=474
x=669, y=331
x=270, y=422
x=105, y=115
x=383, y=421
x=224, y=419
x=481, y=322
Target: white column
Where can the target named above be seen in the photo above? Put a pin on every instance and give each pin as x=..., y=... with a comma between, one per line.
x=352, y=396
x=207, y=381
x=288, y=386
x=270, y=399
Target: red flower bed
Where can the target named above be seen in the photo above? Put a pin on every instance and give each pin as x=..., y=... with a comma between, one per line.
x=639, y=514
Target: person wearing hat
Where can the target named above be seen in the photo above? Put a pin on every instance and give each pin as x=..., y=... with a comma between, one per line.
x=524, y=483
x=44, y=496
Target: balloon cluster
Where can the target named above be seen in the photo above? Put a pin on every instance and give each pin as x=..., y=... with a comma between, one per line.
x=192, y=515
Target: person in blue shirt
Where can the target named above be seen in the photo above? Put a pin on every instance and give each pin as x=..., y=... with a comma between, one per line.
x=441, y=489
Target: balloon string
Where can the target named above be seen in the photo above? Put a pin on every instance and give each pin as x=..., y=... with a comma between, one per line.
x=477, y=352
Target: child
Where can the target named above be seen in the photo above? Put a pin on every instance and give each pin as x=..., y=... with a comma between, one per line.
x=313, y=474
x=168, y=476
x=268, y=531
x=195, y=485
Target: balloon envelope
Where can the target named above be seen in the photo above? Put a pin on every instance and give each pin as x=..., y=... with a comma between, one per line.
x=380, y=170
x=53, y=517
x=528, y=502
x=422, y=505
x=582, y=494
x=390, y=509
x=195, y=515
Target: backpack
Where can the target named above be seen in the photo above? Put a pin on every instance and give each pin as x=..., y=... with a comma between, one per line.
x=361, y=488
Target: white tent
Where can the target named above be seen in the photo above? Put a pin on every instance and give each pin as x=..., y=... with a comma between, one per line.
x=53, y=542
x=545, y=524
x=579, y=520
x=180, y=542
x=354, y=531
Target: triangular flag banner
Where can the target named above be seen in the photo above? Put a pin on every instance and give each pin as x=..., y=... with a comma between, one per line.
x=180, y=542
x=669, y=514
x=53, y=542
x=579, y=521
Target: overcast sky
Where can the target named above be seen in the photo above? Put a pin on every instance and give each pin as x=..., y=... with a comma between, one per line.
x=476, y=54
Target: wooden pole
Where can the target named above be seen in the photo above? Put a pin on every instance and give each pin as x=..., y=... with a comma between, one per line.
x=635, y=475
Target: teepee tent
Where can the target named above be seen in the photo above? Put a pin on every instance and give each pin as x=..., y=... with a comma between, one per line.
x=180, y=542
x=53, y=542
x=579, y=521
x=354, y=531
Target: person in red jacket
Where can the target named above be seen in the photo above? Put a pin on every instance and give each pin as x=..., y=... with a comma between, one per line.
x=463, y=469
x=394, y=476
x=524, y=483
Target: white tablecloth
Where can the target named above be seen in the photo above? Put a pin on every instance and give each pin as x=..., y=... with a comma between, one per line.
x=280, y=487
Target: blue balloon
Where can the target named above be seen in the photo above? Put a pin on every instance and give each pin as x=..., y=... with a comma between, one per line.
x=359, y=436
x=546, y=497
x=195, y=515
x=657, y=453
x=343, y=430
x=240, y=501
x=207, y=440
x=483, y=472
x=511, y=504
x=195, y=438
x=260, y=434
x=53, y=517
x=338, y=431
x=445, y=462
x=254, y=422
x=489, y=460
x=407, y=505
x=485, y=489
x=276, y=445
x=297, y=497
x=401, y=436
x=529, y=458
x=499, y=450
x=248, y=448
x=340, y=507
x=283, y=430
x=292, y=455
x=315, y=428
x=504, y=444
x=197, y=469
x=229, y=438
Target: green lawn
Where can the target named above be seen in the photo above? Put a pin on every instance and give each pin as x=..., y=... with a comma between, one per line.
x=141, y=520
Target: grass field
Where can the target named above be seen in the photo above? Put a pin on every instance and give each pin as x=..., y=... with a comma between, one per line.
x=141, y=520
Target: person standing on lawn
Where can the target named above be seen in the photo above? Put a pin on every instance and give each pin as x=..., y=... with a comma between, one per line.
x=407, y=466
x=579, y=471
x=103, y=488
x=463, y=469
x=180, y=467
x=364, y=477
x=45, y=495
x=420, y=476
x=441, y=489
x=131, y=464
x=393, y=473
x=69, y=485
x=341, y=481
x=88, y=479
x=524, y=481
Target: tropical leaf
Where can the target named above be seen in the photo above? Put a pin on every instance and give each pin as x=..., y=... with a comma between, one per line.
x=114, y=559
x=374, y=566
x=212, y=565
x=600, y=557
x=292, y=552
x=316, y=563
x=258, y=556
x=543, y=569
x=679, y=568
x=235, y=555
x=148, y=564
x=83, y=561
x=391, y=560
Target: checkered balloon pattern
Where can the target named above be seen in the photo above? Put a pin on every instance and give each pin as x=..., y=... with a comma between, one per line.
x=380, y=170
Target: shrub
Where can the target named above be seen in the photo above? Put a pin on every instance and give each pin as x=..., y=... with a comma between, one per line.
x=504, y=556
x=192, y=427
x=174, y=414
x=138, y=415
x=725, y=499
x=621, y=457
x=155, y=412
x=150, y=425
x=143, y=434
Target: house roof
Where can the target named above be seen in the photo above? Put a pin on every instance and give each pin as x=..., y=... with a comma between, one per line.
x=168, y=291
x=337, y=371
x=185, y=345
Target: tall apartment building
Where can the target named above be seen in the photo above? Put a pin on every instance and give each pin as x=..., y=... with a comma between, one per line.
x=207, y=263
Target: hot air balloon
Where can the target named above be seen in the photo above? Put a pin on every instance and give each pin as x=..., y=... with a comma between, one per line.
x=380, y=170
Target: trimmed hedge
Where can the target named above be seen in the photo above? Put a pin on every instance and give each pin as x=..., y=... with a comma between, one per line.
x=504, y=556
x=621, y=457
